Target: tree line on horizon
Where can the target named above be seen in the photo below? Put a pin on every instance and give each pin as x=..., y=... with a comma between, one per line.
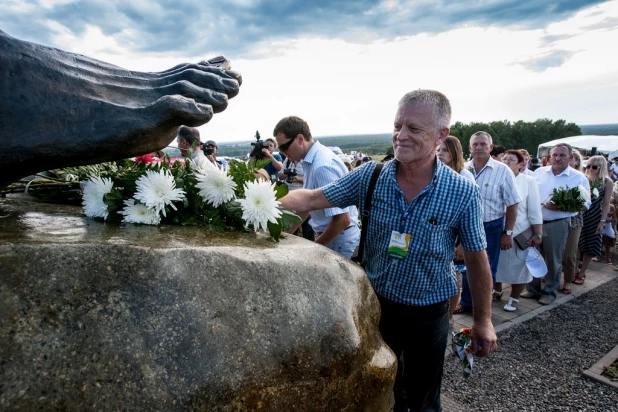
x=517, y=135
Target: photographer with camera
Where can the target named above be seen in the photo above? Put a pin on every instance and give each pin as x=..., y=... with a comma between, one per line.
x=263, y=150
x=292, y=174
x=210, y=151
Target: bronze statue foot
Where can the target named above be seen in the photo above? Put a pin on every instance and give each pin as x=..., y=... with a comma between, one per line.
x=61, y=109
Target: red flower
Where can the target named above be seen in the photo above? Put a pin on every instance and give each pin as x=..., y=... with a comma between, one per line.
x=147, y=158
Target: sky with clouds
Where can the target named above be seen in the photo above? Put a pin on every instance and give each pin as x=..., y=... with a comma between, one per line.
x=343, y=65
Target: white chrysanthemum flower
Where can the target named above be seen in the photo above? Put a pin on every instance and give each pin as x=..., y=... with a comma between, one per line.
x=92, y=200
x=157, y=189
x=216, y=186
x=260, y=204
x=136, y=212
x=583, y=193
x=595, y=192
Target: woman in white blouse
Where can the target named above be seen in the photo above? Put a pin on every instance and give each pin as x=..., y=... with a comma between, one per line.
x=512, y=267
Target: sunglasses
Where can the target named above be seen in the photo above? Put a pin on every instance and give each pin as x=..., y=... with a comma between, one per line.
x=284, y=147
x=592, y=167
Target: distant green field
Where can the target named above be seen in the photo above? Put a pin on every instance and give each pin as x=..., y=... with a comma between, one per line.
x=378, y=144
x=372, y=144
x=600, y=129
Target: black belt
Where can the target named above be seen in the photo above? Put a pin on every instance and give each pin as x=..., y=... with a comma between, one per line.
x=555, y=220
x=433, y=306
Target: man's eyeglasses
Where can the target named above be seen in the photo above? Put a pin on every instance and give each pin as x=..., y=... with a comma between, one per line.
x=284, y=147
x=592, y=167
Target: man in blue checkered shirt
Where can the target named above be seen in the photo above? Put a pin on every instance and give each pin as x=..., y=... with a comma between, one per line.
x=419, y=209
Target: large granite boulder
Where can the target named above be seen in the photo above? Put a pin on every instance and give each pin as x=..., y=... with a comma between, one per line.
x=96, y=316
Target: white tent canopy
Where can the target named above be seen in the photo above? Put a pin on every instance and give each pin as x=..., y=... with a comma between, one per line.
x=584, y=143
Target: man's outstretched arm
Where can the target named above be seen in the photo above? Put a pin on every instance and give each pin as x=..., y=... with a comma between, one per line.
x=302, y=201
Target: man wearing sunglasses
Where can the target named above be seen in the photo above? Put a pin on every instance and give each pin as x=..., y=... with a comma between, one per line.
x=336, y=228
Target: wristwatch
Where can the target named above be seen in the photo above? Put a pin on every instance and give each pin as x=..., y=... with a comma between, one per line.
x=539, y=235
x=508, y=232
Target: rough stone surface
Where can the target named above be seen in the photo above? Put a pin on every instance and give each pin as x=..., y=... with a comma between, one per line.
x=97, y=316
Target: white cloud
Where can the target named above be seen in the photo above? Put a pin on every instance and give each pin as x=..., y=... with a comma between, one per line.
x=343, y=87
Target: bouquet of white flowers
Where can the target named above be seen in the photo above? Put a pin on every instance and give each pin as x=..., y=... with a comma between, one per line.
x=570, y=199
x=152, y=191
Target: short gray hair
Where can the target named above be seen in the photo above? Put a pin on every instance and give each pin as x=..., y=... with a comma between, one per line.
x=439, y=102
x=568, y=146
x=482, y=134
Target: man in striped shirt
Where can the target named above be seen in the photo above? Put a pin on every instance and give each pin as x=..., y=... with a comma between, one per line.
x=419, y=209
x=334, y=227
x=499, y=198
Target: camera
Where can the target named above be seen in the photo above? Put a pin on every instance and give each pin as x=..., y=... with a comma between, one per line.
x=208, y=151
x=258, y=145
x=290, y=173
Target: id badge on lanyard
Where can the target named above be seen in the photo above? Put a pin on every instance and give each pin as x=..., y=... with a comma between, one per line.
x=398, y=245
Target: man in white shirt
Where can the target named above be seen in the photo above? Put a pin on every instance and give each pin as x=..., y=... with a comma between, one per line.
x=189, y=138
x=556, y=223
x=499, y=198
x=334, y=227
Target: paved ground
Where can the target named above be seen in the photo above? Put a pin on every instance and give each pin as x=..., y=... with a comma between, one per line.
x=574, y=330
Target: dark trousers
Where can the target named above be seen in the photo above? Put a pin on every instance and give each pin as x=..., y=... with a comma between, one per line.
x=493, y=234
x=418, y=333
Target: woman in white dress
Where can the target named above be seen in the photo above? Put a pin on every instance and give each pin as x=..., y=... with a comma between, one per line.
x=512, y=267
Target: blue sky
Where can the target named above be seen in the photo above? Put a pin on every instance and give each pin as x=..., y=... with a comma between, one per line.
x=342, y=65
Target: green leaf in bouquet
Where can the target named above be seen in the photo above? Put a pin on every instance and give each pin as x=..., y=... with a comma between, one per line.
x=568, y=199
x=289, y=219
x=217, y=224
x=281, y=190
x=275, y=231
x=113, y=200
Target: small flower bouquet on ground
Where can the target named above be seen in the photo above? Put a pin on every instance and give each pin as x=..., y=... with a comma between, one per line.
x=570, y=199
x=170, y=191
x=462, y=349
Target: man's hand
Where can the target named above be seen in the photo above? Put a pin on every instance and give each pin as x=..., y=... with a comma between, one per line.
x=484, y=332
x=506, y=242
x=535, y=241
x=551, y=206
x=267, y=153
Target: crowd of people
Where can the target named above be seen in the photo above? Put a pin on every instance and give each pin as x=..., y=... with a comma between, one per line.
x=568, y=240
x=444, y=235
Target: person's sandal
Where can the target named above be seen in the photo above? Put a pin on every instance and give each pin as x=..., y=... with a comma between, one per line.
x=579, y=280
x=495, y=295
x=509, y=306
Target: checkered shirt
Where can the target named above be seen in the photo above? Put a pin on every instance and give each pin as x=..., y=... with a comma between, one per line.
x=449, y=206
